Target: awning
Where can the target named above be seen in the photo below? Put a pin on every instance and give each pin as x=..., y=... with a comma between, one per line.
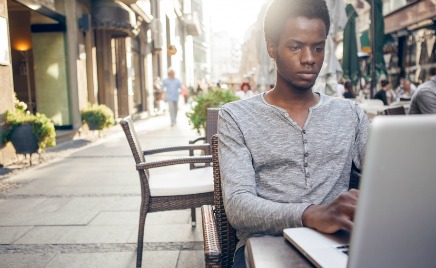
x=113, y=16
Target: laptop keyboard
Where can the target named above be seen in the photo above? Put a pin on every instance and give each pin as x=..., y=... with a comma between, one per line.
x=343, y=248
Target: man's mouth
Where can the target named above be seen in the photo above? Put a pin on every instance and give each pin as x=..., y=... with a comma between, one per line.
x=308, y=74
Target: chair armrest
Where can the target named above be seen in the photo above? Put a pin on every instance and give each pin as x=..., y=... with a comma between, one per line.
x=175, y=161
x=197, y=140
x=177, y=148
x=212, y=249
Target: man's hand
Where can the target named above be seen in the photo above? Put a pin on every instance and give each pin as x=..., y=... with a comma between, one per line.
x=337, y=215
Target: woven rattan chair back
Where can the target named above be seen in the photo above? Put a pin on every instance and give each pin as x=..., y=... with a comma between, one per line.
x=211, y=129
x=211, y=123
x=132, y=139
x=226, y=233
x=395, y=111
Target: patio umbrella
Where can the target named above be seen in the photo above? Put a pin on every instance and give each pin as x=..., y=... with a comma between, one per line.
x=378, y=35
x=350, y=59
x=331, y=70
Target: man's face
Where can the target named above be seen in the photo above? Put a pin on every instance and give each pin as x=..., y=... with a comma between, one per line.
x=300, y=52
x=171, y=74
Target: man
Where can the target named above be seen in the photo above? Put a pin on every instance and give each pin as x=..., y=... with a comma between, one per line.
x=172, y=86
x=424, y=99
x=286, y=154
x=405, y=90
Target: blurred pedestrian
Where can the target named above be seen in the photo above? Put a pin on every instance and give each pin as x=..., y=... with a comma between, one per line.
x=348, y=90
x=185, y=93
x=340, y=89
x=381, y=94
x=245, y=91
x=171, y=86
x=157, y=94
x=424, y=99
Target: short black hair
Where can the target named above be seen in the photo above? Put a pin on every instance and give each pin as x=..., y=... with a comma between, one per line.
x=348, y=85
x=279, y=11
x=384, y=82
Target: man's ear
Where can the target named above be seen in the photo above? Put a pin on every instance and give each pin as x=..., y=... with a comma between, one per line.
x=271, y=47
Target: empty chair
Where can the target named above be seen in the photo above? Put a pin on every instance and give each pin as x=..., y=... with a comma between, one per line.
x=172, y=190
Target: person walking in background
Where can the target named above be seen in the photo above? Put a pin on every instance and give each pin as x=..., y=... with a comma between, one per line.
x=157, y=93
x=171, y=86
x=340, y=88
x=348, y=90
x=424, y=99
x=381, y=94
x=185, y=93
x=245, y=92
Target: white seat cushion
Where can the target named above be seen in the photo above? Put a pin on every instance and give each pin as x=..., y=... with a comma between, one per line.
x=193, y=181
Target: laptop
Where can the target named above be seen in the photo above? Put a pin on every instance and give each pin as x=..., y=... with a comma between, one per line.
x=395, y=220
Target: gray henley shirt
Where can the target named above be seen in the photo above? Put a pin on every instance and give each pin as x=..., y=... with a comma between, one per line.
x=272, y=169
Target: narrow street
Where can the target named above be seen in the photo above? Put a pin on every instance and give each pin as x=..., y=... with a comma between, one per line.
x=82, y=210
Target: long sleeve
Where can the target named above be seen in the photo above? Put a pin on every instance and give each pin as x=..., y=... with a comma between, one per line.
x=361, y=137
x=426, y=101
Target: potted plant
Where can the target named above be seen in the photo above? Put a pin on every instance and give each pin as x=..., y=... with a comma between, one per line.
x=29, y=133
x=98, y=117
x=212, y=99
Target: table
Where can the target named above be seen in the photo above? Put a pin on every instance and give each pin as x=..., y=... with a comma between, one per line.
x=273, y=252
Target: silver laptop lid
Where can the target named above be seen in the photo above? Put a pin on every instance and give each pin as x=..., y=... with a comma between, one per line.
x=395, y=222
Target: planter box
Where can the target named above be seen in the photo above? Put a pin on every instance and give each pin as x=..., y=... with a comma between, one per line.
x=24, y=140
x=92, y=126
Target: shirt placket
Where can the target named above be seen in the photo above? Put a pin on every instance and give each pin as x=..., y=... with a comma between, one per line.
x=305, y=157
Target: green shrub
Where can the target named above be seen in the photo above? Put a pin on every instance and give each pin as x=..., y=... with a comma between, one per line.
x=212, y=99
x=98, y=116
x=42, y=126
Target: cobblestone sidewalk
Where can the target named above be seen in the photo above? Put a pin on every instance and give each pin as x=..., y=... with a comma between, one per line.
x=22, y=162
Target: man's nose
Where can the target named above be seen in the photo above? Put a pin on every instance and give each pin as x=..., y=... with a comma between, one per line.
x=307, y=56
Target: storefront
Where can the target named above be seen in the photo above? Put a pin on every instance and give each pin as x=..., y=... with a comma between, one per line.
x=410, y=44
x=39, y=58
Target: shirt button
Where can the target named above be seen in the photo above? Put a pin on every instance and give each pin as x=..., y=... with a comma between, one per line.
x=306, y=165
x=304, y=141
x=286, y=114
x=306, y=154
x=307, y=175
x=304, y=131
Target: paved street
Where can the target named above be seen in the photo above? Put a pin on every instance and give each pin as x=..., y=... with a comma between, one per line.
x=81, y=210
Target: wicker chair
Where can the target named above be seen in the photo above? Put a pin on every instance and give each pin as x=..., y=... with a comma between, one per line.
x=219, y=236
x=169, y=191
x=211, y=129
x=399, y=110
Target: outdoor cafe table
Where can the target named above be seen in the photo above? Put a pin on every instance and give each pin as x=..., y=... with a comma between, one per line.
x=273, y=252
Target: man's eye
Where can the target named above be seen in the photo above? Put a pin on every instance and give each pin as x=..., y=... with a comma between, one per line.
x=319, y=49
x=294, y=48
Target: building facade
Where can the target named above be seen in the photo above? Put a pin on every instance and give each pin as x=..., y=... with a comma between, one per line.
x=62, y=55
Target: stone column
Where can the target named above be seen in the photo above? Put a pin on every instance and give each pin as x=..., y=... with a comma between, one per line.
x=122, y=77
x=105, y=75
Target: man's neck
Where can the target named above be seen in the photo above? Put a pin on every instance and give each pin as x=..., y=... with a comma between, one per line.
x=295, y=101
x=290, y=98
